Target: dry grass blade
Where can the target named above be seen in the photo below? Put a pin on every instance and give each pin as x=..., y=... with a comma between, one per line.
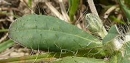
x=4, y=37
x=54, y=10
x=106, y=14
x=27, y=6
x=92, y=7
x=64, y=13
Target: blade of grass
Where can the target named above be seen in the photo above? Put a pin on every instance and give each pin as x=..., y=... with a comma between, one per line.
x=32, y=58
x=127, y=2
x=30, y=3
x=63, y=10
x=74, y=4
x=125, y=9
x=54, y=10
x=3, y=30
x=92, y=7
x=5, y=45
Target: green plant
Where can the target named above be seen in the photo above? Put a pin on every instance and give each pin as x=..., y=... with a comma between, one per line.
x=5, y=45
x=73, y=6
x=52, y=34
x=125, y=7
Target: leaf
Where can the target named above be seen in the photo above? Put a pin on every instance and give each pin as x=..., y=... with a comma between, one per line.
x=50, y=33
x=5, y=45
x=127, y=36
x=116, y=20
x=73, y=5
x=127, y=3
x=3, y=30
x=126, y=57
x=95, y=25
x=117, y=58
x=79, y=60
x=30, y=3
x=30, y=59
x=111, y=34
x=125, y=9
x=123, y=56
x=111, y=42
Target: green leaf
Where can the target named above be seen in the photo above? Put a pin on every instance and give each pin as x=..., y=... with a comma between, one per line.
x=117, y=58
x=5, y=45
x=122, y=56
x=29, y=59
x=126, y=56
x=116, y=20
x=50, y=33
x=125, y=9
x=127, y=3
x=79, y=60
x=73, y=7
x=30, y=3
x=3, y=30
x=94, y=24
x=111, y=42
x=111, y=34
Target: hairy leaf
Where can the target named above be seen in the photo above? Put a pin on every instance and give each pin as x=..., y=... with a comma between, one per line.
x=94, y=24
x=112, y=42
x=123, y=56
x=50, y=33
x=126, y=53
